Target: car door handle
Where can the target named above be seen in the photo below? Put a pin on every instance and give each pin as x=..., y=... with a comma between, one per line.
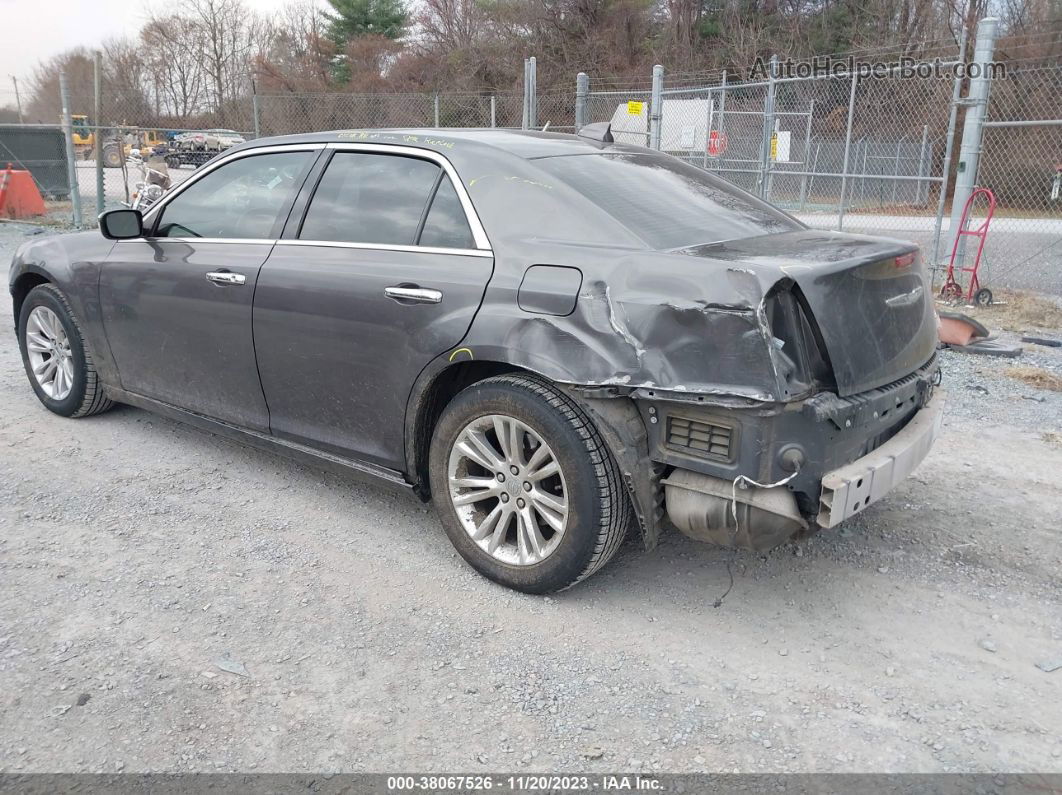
x=226, y=277
x=413, y=294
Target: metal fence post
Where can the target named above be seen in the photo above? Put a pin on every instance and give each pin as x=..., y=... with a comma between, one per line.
x=807, y=156
x=68, y=136
x=532, y=93
x=582, y=88
x=256, y=111
x=656, y=107
x=973, y=125
x=435, y=108
x=493, y=111
x=527, y=94
x=768, y=130
x=18, y=99
x=720, y=161
x=847, y=149
x=949, y=141
x=97, y=110
x=922, y=163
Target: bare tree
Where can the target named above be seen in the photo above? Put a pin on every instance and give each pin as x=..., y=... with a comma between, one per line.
x=173, y=48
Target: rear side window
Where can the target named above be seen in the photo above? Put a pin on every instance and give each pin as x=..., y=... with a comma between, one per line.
x=241, y=199
x=370, y=198
x=666, y=202
x=446, y=225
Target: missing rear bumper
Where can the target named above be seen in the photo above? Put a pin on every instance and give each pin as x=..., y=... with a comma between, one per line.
x=850, y=489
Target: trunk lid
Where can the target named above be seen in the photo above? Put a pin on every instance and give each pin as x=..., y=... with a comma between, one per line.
x=870, y=298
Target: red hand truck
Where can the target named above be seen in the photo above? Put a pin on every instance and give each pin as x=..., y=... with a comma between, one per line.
x=975, y=293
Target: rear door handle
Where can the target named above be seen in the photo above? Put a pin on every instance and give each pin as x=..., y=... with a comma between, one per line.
x=226, y=277
x=413, y=294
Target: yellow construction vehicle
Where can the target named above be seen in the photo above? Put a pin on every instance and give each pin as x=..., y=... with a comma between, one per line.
x=84, y=138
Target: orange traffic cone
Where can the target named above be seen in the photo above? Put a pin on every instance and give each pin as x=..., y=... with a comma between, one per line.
x=19, y=197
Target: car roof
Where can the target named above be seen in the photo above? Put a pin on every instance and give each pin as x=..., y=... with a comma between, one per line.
x=527, y=144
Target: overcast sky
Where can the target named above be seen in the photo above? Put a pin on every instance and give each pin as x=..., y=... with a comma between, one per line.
x=35, y=30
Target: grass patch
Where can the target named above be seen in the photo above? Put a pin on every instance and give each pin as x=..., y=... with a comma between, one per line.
x=1018, y=310
x=1035, y=376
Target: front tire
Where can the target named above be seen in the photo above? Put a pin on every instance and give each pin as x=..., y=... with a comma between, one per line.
x=58, y=365
x=524, y=485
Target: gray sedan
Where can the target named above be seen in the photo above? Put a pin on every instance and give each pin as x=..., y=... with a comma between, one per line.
x=554, y=338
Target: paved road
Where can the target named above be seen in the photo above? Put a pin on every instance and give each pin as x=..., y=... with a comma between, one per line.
x=1024, y=253
x=136, y=553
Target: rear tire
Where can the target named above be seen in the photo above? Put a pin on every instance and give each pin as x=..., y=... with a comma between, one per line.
x=597, y=511
x=112, y=157
x=85, y=396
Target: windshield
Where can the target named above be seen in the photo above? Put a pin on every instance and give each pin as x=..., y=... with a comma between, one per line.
x=666, y=202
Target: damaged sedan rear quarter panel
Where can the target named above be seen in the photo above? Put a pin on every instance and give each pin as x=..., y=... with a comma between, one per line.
x=782, y=335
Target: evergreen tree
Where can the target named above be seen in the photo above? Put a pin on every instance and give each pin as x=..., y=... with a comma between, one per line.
x=352, y=18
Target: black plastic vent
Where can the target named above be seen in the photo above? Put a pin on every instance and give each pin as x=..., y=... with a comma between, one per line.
x=704, y=439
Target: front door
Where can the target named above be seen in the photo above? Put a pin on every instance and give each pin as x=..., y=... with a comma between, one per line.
x=177, y=303
x=384, y=275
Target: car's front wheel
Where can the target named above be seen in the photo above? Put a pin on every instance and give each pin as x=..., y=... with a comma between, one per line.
x=525, y=486
x=59, y=367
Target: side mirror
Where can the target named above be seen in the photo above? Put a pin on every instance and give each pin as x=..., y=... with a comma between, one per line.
x=121, y=224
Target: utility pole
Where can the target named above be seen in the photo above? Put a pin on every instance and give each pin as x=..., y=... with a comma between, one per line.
x=973, y=126
x=18, y=99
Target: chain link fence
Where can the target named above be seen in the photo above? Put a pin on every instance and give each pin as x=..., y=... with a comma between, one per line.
x=1021, y=163
x=875, y=152
x=864, y=154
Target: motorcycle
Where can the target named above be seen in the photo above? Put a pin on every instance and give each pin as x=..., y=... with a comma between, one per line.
x=154, y=181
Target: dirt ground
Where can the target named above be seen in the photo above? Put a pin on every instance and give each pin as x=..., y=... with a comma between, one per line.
x=136, y=554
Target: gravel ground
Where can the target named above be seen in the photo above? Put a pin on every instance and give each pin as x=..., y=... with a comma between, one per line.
x=137, y=554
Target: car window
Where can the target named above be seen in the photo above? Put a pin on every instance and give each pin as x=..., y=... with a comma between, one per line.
x=666, y=202
x=370, y=198
x=446, y=225
x=241, y=199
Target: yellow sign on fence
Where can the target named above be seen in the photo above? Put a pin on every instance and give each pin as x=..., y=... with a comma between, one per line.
x=635, y=108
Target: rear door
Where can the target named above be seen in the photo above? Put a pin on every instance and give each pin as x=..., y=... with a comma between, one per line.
x=382, y=272
x=177, y=303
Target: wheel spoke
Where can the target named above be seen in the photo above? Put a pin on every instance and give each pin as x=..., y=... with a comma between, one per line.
x=549, y=517
x=503, y=429
x=535, y=541
x=516, y=444
x=470, y=497
x=36, y=342
x=523, y=547
x=37, y=326
x=488, y=525
x=486, y=449
x=545, y=471
x=43, y=369
x=557, y=504
x=539, y=457
x=53, y=325
x=500, y=531
x=474, y=483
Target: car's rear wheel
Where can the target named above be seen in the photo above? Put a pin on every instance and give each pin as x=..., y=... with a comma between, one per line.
x=59, y=367
x=525, y=486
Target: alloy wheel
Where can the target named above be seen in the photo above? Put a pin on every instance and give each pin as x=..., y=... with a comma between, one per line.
x=49, y=353
x=508, y=490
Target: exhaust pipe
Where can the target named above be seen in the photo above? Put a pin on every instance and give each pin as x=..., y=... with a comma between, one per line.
x=700, y=506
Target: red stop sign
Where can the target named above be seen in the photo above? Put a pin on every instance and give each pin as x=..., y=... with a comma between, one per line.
x=716, y=143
